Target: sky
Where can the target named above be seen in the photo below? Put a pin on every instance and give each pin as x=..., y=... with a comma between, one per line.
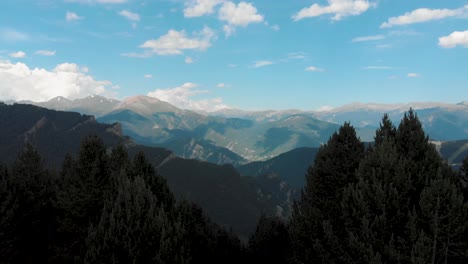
x=253, y=55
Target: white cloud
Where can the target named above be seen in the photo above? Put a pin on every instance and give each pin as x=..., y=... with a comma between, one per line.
x=148, y=76
x=97, y=1
x=454, y=39
x=197, y=8
x=378, y=68
x=175, y=42
x=45, y=52
x=368, y=38
x=182, y=97
x=325, y=108
x=262, y=63
x=130, y=15
x=241, y=15
x=297, y=55
x=39, y=84
x=423, y=15
x=70, y=16
x=188, y=60
x=314, y=69
x=339, y=8
x=413, y=75
x=221, y=85
x=8, y=34
x=384, y=46
x=275, y=27
x=18, y=54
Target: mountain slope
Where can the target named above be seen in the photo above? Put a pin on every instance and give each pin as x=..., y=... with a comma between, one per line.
x=229, y=199
x=54, y=133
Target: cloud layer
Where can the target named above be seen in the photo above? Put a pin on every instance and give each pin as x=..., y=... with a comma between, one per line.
x=240, y=15
x=175, y=42
x=423, y=15
x=454, y=39
x=337, y=8
x=183, y=97
x=197, y=8
x=19, y=82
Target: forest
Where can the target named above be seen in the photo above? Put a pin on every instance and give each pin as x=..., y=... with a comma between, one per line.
x=394, y=201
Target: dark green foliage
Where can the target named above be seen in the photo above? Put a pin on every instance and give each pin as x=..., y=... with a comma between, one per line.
x=407, y=205
x=142, y=168
x=398, y=203
x=132, y=228
x=386, y=131
x=205, y=241
x=27, y=213
x=270, y=243
x=464, y=177
x=317, y=226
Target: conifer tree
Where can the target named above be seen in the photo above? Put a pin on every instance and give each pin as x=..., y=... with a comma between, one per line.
x=317, y=227
x=132, y=229
x=270, y=243
x=406, y=206
x=86, y=187
x=27, y=218
x=158, y=185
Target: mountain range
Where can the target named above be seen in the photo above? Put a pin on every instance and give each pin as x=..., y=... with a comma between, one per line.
x=248, y=188
x=232, y=136
x=214, y=187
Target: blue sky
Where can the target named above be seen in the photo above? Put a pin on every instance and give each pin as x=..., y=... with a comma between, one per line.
x=210, y=54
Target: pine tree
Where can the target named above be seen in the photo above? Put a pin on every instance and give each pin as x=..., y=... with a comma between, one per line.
x=270, y=243
x=317, y=227
x=132, y=229
x=27, y=218
x=86, y=185
x=158, y=185
x=407, y=205
x=386, y=131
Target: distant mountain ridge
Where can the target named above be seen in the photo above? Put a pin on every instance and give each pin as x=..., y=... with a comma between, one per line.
x=214, y=187
x=239, y=136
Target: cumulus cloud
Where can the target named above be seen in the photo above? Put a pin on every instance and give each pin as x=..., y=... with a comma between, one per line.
x=413, y=75
x=368, y=38
x=325, y=108
x=423, y=15
x=262, y=63
x=19, y=82
x=8, y=34
x=45, y=52
x=148, y=76
x=183, y=97
x=18, y=54
x=188, y=60
x=70, y=16
x=454, y=39
x=275, y=27
x=129, y=15
x=197, y=8
x=175, y=42
x=338, y=8
x=221, y=85
x=97, y=1
x=240, y=15
x=314, y=69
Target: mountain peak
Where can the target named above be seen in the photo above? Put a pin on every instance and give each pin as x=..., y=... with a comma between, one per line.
x=147, y=105
x=59, y=99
